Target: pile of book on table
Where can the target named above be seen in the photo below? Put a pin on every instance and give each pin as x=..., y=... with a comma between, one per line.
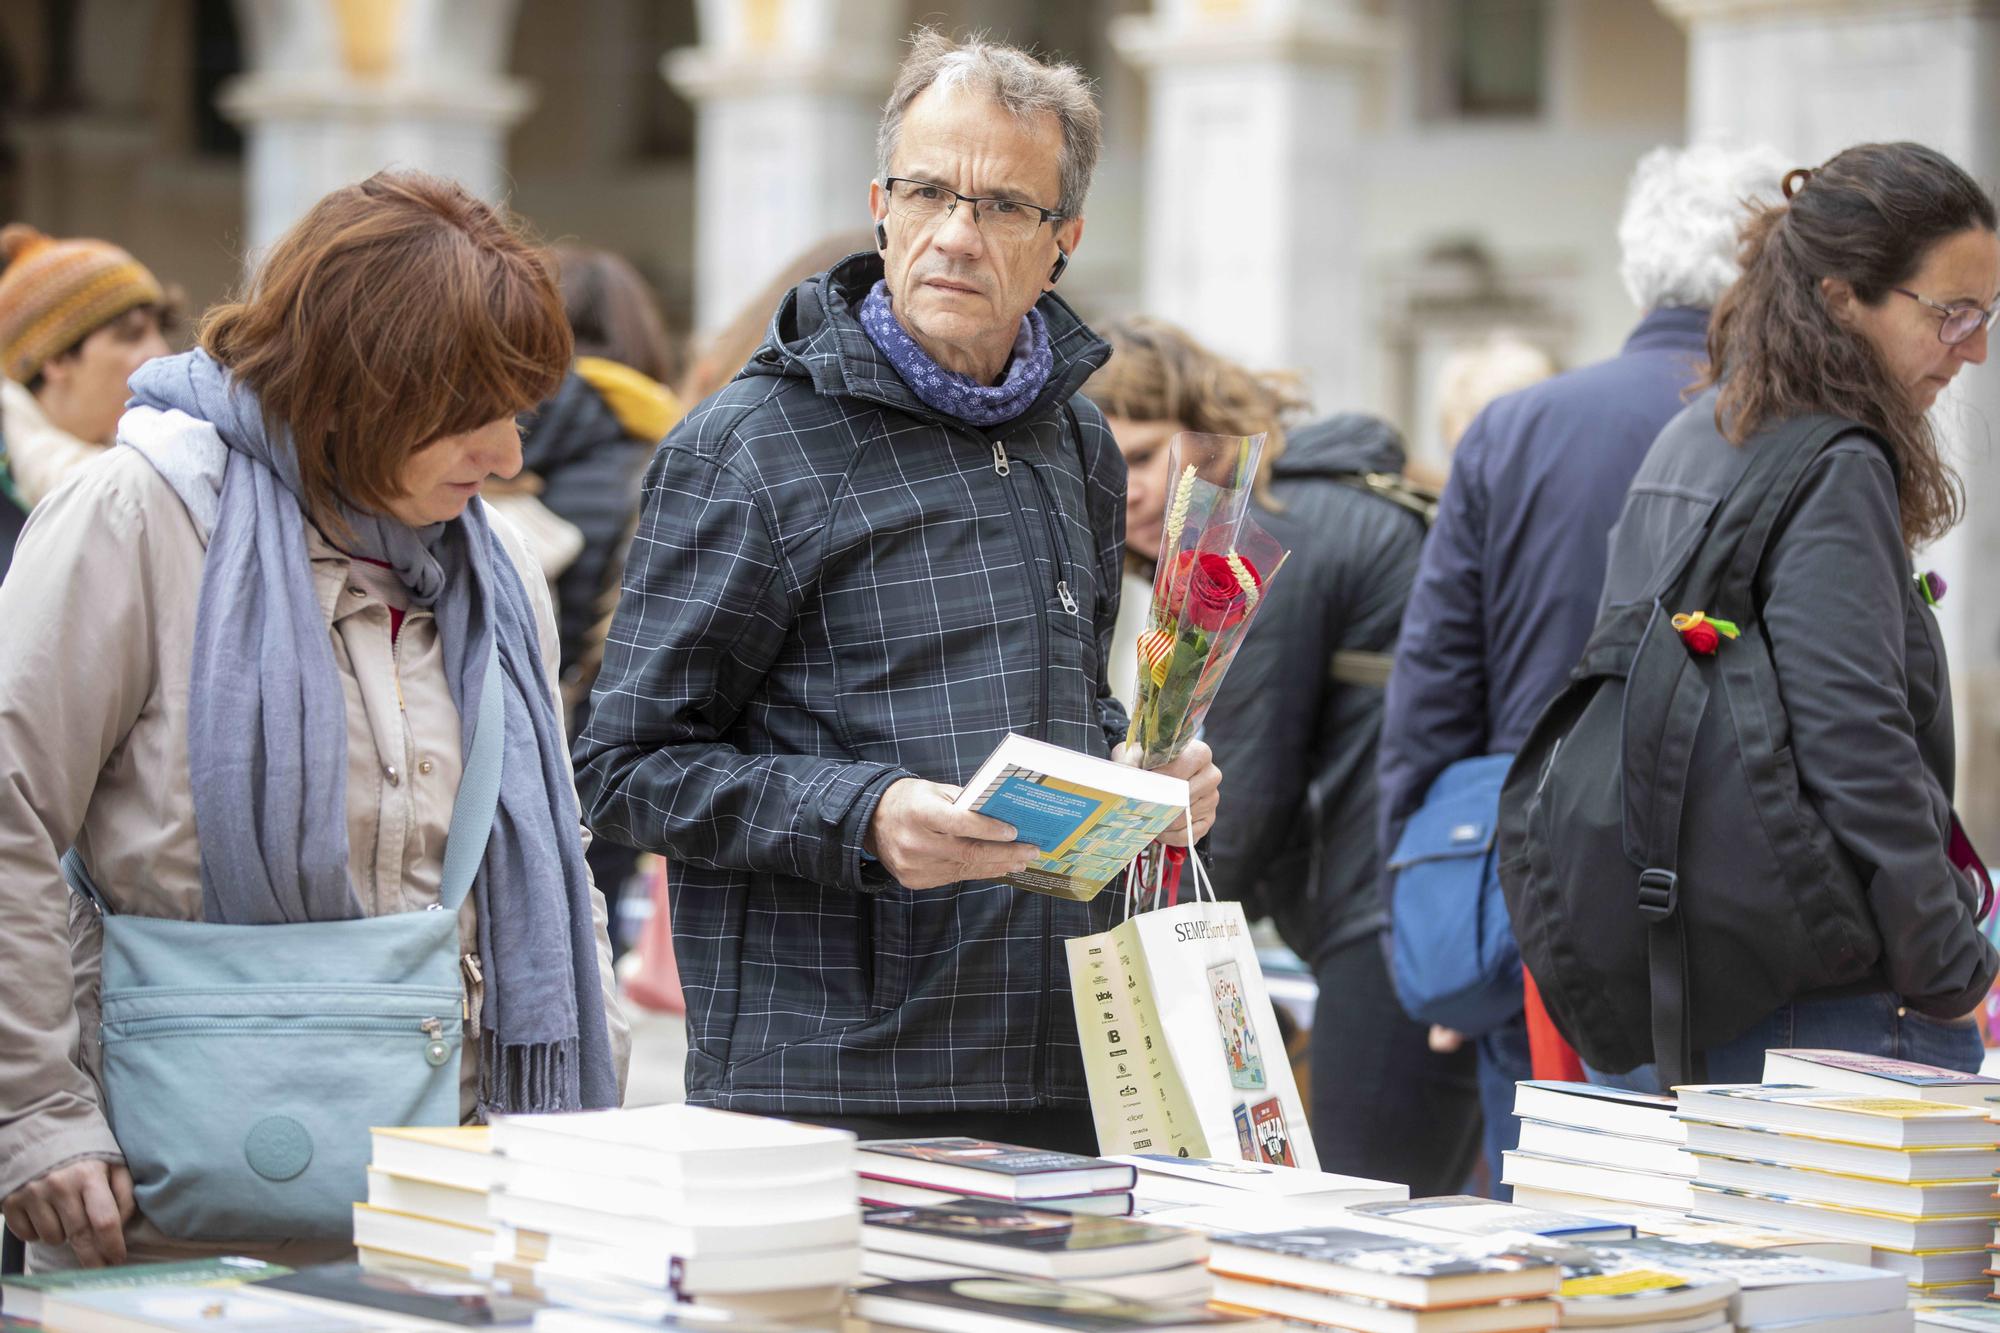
x=1583, y=1145
x=427, y=1193
x=916, y=1172
x=1896, y=1156
x=646, y=1210
x=1112, y=1256
x=1167, y=1186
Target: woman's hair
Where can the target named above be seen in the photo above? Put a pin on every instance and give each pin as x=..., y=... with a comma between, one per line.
x=1870, y=215
x=737, y=341
x=1157, y=372
x=613, y=312
x=396, y=311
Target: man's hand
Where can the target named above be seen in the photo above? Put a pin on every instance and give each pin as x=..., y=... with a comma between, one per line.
x=1204, y=780
x=85, y=1203
x=926, y=843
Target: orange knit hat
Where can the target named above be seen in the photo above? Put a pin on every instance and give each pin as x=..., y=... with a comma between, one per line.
x=56, y=293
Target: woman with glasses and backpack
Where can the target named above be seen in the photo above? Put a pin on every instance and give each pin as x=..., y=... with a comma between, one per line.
x=282, y=684
x=1758, y=743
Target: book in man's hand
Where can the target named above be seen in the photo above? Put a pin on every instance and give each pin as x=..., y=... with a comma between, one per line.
x=1006, y=1305
x=1088, y=816
x=1006, y=1238
x=993, y=1170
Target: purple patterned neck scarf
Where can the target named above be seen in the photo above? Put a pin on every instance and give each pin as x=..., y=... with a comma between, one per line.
x=960, y=396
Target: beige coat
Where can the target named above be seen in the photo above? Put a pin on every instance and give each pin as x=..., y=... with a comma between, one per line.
x=97, y=623
x=39, y=452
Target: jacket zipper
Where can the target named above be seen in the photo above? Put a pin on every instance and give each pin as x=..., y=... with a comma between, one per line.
x=1002, y=467
x=1058, y=546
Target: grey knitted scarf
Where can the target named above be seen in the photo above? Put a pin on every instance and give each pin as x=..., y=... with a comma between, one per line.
x=267, y=735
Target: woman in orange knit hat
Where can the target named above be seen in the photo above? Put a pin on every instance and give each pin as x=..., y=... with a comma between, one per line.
x=77, y=317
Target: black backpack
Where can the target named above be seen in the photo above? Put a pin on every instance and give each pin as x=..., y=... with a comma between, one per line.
x=1669, y=884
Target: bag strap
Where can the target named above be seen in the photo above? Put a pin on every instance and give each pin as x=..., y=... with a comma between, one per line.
x=1354, y=666
x=1398, y=490
x=478, y=790
x=1666, y=698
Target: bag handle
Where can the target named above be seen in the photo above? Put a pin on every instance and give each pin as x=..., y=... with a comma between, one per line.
x=478, y=789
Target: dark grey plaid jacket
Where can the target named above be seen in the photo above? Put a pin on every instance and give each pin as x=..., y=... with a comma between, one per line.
x=833, y=587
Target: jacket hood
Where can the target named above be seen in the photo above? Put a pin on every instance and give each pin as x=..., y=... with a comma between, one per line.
x=1341, y=445
x=815, y=335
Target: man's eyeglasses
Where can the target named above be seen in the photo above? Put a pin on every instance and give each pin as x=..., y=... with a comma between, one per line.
x=920, y=203
x=1961, y=320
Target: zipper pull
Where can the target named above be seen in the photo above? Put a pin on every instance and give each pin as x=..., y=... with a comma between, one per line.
x=1000, y=463
x=470, y=999
x=435, y=1050
x=1062, y=591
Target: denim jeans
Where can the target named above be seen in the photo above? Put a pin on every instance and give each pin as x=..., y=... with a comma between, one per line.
x=1504, y=1060
x=1876, y=1024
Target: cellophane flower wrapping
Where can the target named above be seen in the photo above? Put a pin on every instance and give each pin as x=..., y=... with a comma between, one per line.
x=1216, y=565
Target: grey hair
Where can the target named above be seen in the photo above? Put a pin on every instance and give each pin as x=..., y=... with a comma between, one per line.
x=1684, y=212
x=1023, y=86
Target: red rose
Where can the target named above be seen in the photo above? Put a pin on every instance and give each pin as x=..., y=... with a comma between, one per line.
x=1701, y=638
x=1215, y=600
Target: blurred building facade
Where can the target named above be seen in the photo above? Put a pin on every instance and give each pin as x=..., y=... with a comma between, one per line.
x=1350, y=188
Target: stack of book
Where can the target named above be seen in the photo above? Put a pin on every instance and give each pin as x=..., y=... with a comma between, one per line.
x=1010, y=1305
x=1470, y=1215
x=1376, y=1281
x=427, y=1199
x=916, y=1172
x=1655, y=1283
x=1582, y=1145
x=970, y=1238
x=1169, y=1183
x=647, y=1210
x=1890, y=1173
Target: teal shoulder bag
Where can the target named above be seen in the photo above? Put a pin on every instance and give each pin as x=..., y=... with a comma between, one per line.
x=243, y=1066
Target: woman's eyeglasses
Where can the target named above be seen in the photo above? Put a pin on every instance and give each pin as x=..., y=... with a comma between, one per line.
x=1961, y=320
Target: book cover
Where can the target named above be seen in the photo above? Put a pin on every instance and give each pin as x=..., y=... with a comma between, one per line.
x=1969, y=1315
x=1375, y=1252
x=194, y=1309
x=1467, y=1215
x=1850, y=1071
x=22, y=1295
x=1044, y=1305
x=1219, y=1178
x=1793, y=1094
x=1012, y=1227
x=1089, y=817
x=1239, y=1034
x=440, y=1299
x=1002, y=1159
x=1274, y=1140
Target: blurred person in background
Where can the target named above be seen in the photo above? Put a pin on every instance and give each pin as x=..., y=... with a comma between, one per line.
x=77, y=317
x=732, y=346
x=241, y=683
x=1471, y=377
x=1506, y=593
x=1298, y=838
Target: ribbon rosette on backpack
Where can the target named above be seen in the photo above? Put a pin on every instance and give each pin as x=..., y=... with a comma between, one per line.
x=1216, y=561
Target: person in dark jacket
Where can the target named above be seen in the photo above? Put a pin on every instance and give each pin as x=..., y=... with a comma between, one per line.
x=892, y=540
x=1295, y=839
x=1506, y=592
x=1861, y=298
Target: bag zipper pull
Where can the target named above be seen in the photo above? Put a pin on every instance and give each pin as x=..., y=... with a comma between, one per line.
x=435, y=1050
x=475, y=978
x=1062, y=591
x=1000, y=463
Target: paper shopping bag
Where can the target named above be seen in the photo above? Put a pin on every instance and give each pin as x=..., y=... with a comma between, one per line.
x=1181, y=1049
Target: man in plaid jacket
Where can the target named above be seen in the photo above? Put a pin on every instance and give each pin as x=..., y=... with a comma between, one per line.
x=893, y=539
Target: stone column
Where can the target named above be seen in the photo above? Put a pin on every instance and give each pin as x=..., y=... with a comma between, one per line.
x=1812, y=77
x=339, y=89
x=788, y=93
x=1251, y=211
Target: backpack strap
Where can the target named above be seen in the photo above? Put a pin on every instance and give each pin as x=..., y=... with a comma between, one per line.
x=1666, y=698
x=1398, y=490
x=1356, y=666
x=478, y=789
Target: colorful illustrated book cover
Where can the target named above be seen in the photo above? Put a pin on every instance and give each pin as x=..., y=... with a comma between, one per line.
x=1239, y=1035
